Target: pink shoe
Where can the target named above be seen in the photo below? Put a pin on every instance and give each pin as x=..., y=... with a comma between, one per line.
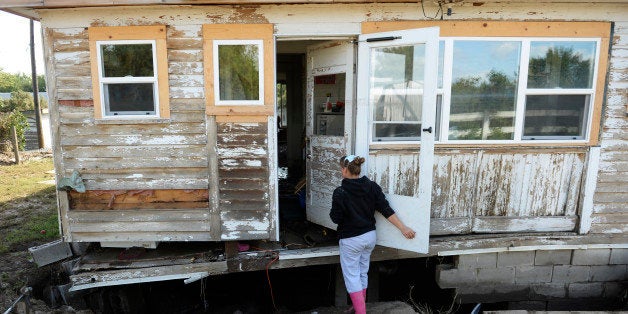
x=359, y=304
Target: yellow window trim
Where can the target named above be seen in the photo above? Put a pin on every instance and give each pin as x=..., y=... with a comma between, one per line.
x=600, y=30
x=157, y=33
x=262, y=32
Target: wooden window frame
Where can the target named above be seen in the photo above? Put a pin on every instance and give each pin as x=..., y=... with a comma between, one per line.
x=240, y=32
x=118, y=34
x=256, y=102
x=598, y=31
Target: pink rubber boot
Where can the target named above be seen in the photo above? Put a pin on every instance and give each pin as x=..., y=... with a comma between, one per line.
x=359, y=303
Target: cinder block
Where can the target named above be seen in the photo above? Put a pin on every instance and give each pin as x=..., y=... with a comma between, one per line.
x=572, y=306
x=557, y=257
x=475, y=294
x=608, y=273
x=502, y=275
x=547, y=291
x=613, y=290
x=505, y=259
x=586, y=290
x=619, y=256
x=527, y=306
x=453, y=278
x=50, y=252
x=488, y=260
x=591, y=257
x=570, y=274
x=532, y=274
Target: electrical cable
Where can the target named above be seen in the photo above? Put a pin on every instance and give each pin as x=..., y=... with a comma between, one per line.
x=440, y=10
x=270, y=286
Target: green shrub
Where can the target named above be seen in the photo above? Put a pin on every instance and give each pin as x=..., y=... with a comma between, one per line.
x=10, y=119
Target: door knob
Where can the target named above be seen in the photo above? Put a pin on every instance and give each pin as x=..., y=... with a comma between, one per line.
x=309, y=156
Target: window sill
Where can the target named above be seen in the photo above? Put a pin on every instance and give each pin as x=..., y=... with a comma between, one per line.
x=124, y=120
x=488, y=146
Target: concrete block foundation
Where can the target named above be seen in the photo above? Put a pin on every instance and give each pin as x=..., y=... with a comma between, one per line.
x=539, y=280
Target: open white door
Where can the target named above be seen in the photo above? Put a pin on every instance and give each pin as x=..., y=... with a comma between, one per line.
x=329, y=123
x=396, y=105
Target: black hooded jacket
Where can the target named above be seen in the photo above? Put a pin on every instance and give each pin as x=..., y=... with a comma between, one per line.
x=354, y=204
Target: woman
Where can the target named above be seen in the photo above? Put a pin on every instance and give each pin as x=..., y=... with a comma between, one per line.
x=353, y=208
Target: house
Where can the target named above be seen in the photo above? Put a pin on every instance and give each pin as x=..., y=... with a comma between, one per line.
x=169, y=111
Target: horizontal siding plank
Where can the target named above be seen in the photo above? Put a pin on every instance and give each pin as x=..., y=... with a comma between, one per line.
x=228, y=194
x=242, y=184
x=132, y=129
x=448, y=226
x=186, y=80
x=610, y=218
x=618, y=228
x=191, y=55
x=136, y=184
x=140, y=236
x=76, y=216
x=142, y=226
x=190, y=31
x=243, y=173
x=175, y=43
x=134, y=162
x=74, y=94
x=243, y=162
x=228, y=140
x=156, y=139
x=141, y=196
x=174, y=151
x=236, y=224
x=142, y=172
x=246, y=205
x=185, y=68
x=71, y=45
x=72, y=70
x=139, y=206
x=245, y=128
x=75, y=82
x=523, y=224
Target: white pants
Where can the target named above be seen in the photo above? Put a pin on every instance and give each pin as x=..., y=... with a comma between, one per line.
x=355, y=255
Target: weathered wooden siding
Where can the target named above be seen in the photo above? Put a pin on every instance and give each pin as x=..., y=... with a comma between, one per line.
x=127, y=154
x=488, y=190
x=174, y=154
x=119, y=158
x=610, y=203
x=243, y=172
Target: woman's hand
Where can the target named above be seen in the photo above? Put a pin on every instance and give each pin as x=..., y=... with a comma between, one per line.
x=407, y=232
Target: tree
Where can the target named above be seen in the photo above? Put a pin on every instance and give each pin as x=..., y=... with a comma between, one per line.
x=11, y=82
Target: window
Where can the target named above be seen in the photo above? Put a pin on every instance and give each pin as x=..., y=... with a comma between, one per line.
x=559, y=89
x=397, y=92
x=129, y=72
x=516, y=89
x=238, y=72
x=502, y=82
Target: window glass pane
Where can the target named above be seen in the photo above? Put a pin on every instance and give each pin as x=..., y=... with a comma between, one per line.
x=134, y=60
x=397, y=131
x=329, y=103
x=396, y=92
x=555, y=115
x=561, y=64
x=238, y=72
x=483, y=91
x=129, y=98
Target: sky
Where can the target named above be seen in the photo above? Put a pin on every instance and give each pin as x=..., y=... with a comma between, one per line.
x=14, y=45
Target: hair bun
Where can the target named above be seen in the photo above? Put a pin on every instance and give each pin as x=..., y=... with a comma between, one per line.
x=359, y=161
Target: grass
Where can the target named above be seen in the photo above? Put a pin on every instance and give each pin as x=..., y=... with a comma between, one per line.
x=28, y=210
